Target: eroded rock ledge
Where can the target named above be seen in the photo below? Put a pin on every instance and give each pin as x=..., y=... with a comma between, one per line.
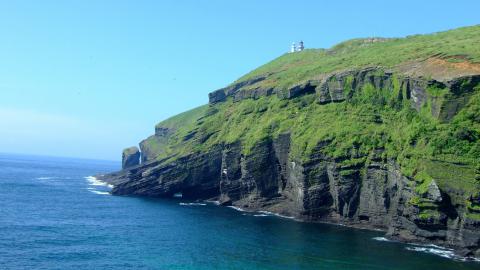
x=338, y=86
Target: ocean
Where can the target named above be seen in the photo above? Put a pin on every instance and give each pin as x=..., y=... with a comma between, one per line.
x=54, y=215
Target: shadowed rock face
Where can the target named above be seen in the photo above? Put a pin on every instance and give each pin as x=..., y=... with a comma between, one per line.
x=195, y=176
x=130, y=157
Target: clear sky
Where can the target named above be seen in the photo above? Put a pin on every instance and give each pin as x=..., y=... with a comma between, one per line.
x=88, y=78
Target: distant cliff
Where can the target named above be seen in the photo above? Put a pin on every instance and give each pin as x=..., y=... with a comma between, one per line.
x=374, y=133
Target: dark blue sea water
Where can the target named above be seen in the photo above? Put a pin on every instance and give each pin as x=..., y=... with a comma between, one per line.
x=52, y=217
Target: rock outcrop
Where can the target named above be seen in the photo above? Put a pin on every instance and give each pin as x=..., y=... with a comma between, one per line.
x=130, y=157
x=338, y=86
x=235, y=91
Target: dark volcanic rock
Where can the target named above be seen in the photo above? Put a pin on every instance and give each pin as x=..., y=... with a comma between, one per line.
x=371, y=194
x=233, y=91
x=162, y=131
x=196, y=176
x=130, y=157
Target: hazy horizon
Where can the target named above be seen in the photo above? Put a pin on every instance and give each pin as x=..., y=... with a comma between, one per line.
x=87, y=79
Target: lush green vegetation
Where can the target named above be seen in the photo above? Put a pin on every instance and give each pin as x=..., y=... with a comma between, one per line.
x=183, y=120
x=179, y=125
x=370, y=119
x=454, y=45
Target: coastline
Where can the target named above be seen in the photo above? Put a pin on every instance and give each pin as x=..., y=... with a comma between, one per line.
x=448, y=252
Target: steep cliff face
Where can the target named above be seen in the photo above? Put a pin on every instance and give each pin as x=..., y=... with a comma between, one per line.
x=130, y=157
x=390, y=143
x=370, y=194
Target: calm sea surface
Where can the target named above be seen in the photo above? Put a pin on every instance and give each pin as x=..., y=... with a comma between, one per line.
x=53, y=217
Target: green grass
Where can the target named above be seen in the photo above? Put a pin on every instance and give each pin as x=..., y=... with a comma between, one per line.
x=474, y=216
x=424, y=180
x=184, y=120
x=429, y=214
x=451, y=175
x=290, y=69
x=181, y=125
x=404, y=134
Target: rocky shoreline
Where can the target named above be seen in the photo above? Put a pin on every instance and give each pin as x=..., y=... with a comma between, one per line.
x=335, y=198
x=417, y=244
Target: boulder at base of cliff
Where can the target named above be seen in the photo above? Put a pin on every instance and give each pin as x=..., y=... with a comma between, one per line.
x=130, y=157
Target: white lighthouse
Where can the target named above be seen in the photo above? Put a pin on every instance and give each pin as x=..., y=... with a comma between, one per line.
x=293, y=48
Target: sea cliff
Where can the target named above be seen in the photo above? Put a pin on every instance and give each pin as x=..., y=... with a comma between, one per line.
x=372, y=133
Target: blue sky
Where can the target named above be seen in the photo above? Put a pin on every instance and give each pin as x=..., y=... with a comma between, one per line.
x=88, y=78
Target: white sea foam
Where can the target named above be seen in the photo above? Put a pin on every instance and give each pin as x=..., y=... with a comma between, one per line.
x=432, y=249
x=439, y=251
x=236, y=208
x=178, y=195
x=274, y=214
x=192, y=204
x=261, y=215
x=99, y=192
x=95, y=182
x=382, y=239
x=212, y=202
x=46, y=178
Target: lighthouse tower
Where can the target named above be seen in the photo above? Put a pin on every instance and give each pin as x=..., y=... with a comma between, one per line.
x=293, y=48
x=300, y=46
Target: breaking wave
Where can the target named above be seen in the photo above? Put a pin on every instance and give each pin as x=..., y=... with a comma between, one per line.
x=431, y=249
x=99, y=192
x=440, y=251
x=383, y=239
x=192, y=204
x=46, y=178
x=236, y=208
x=93, y=181
x=267, y=213
x=261, y=215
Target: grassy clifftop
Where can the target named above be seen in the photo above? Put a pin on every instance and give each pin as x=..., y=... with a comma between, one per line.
x=169, y=133
x=369, y=119
x=457, y=45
